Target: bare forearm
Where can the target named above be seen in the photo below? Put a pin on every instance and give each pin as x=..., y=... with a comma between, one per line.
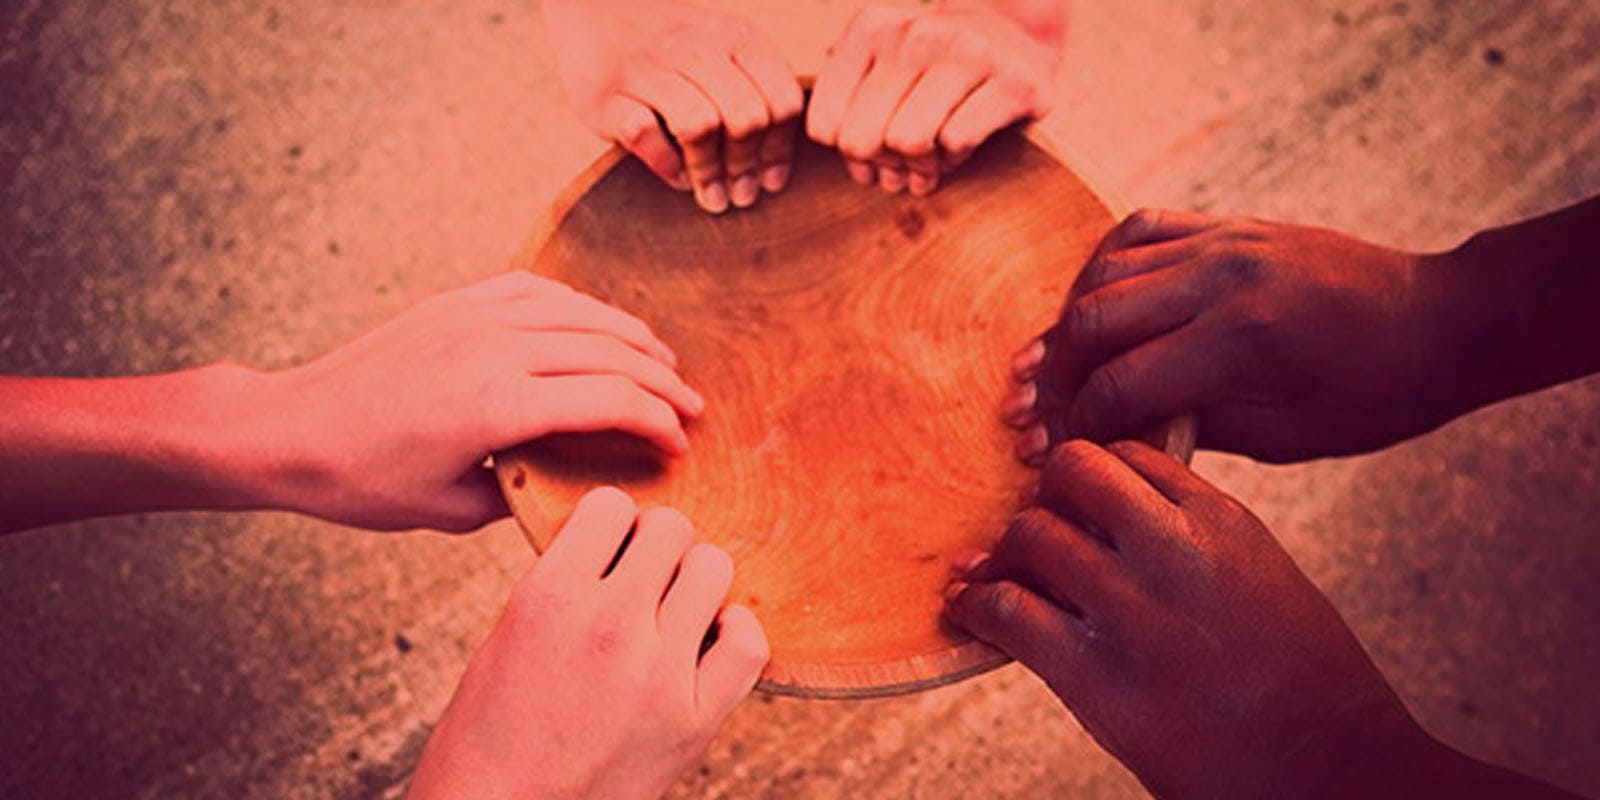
x=1520, y=313
x=1417, y=765
x=78, y=448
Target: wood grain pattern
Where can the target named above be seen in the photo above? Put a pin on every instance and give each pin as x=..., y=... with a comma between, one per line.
x=853, y=347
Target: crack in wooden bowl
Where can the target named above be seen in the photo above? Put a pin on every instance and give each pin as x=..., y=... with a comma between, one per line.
x=853, y=347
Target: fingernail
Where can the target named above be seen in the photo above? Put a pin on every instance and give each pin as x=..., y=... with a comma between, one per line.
x=923, y=185
x=860, y=173
x=681, y=182
x=970, y=563
x=697, y=403
x=774, y=178
x=1027, y=362
x=1017, y=410
x=892, y=180
x=1033, y=443
x=955, y=588
x=745, y=191
x=712, y=197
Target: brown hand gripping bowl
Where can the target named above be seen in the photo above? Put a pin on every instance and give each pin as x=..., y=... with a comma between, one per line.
x=853, y=347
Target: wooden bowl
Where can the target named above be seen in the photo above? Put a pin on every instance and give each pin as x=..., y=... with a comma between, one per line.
x=853, y=347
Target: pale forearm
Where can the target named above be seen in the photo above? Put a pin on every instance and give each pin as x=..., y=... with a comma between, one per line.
x=1044, y=20
x=78, y=448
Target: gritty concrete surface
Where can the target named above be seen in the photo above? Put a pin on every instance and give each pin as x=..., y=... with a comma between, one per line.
x=186, y=182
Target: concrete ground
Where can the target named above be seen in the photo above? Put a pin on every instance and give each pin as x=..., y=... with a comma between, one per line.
x=186, y=182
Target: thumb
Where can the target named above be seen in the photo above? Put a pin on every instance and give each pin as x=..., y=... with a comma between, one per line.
x=1157, y=380
x=1023, y=625
x=473, y=501
x=635, y=126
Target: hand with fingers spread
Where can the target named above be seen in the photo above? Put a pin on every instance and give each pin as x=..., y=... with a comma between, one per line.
x=703, y=99
x=1189, y=645
x=592, y=684
x=399, y=421
x=906, y=96
x=1288, y=342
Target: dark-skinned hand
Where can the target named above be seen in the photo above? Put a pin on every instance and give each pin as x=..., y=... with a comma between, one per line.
x=1189, y=645
x=1174, y=627
x=1288, y=342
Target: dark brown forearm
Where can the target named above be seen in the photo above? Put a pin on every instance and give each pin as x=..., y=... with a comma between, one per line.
x=1519, y=313
x=1402, y=761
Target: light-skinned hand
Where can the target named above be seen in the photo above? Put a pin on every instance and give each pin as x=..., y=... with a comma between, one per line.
x=592, y=683
x=906, y=96
x=391, y=430
x=702, y=98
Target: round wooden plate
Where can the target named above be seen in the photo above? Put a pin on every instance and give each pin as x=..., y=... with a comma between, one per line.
x=853, y=347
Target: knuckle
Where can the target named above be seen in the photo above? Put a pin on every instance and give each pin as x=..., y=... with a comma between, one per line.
x=817, y=130
x=1018, y=85
x=611, y=350
x=926, y=38
x=746, y=123
x=695, y=123
x=1142, y=220
x=858, y=147
x=1028, y=529
x=616, y=387
x=665, y=521
x=788, y=105
x=1106, y=388
x=636, y=126
x=1129, y=448
x=909, y=142
x=744, y=636
x=1246, y=264
x=1085, y=319
x=605, y=638
x=877, y=16
x=536, y=603
x=712, y=558
x=753, y=646
x=637, y=328
x=1004, y=600
x=971, y=49
x=1072, y=456
x=1104, y=268
x=956, y=137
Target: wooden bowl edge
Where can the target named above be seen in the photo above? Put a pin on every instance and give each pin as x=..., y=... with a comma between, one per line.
x=820, y=680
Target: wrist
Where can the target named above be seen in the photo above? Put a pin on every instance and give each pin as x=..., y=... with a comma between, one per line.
x=1477, y=325
x=282, y=451
x=1044, y=22
x=1465, y=304
x=1373, y=753
x=226, y=441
